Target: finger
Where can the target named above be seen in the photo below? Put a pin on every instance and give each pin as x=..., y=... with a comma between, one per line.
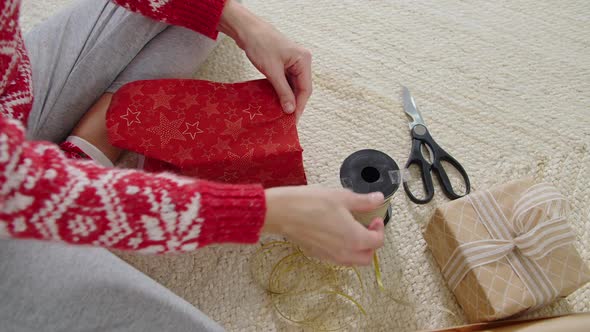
x=283, y=89
x=372, y=237
x=317, y=254
x=376, y=225
x=362, y=202
x=375, y=236
x=343, y=258
x=361, y=258
x=301, y=73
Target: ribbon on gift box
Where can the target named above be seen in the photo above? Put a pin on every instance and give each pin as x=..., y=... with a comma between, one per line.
x=537, y=227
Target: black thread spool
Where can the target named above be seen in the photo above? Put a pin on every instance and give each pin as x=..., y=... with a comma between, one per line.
x=368, y=171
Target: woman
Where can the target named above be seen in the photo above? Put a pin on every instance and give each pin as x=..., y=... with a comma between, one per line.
x=73, y=63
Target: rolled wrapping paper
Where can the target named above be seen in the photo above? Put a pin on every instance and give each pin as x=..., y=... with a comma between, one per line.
x=368, y=171
x=233, y=133
x=321, y=296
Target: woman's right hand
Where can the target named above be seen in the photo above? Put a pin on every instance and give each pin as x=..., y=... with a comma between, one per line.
x=320, y=221
x=286, y=64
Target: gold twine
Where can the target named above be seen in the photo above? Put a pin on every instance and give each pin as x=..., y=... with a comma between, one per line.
x=316, y=295
x=377, y=271
x=325, y=300
x=313, y=294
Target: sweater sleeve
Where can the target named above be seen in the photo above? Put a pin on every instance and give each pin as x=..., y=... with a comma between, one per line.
x=44, y=195
x=202, y=16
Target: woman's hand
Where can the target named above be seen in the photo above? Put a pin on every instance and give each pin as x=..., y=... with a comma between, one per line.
x=320, y=222
x=286, y=64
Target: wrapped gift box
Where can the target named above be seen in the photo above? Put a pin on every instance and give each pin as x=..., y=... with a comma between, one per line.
x=234, y=133
x=506, y=250
x=571, y=323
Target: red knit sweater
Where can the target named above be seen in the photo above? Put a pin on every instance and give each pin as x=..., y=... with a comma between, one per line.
x=46, y=196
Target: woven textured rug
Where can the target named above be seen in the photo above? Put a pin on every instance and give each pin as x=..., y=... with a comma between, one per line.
x=504, y=87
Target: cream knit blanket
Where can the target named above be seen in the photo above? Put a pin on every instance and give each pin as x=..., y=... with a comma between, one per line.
x=504, y=87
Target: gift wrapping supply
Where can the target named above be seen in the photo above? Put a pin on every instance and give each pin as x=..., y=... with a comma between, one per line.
x=367, y=171
x=518, y=230
x=318, y=295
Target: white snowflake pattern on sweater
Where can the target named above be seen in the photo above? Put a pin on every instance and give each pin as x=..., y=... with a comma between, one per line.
x=46, y=196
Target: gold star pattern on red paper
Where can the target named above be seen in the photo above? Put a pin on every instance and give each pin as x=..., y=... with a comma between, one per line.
x=232, y=112
x=287, y=124
x=230, y=176
x=218, y=86
x=189, y=99
x=178, y=112
x=131, y=117
x=247, y=142
x=162, y=99
x=192, y=129
x=292, y=147
x=184, y=154
x=135, y=105
x=222, y=145
x=211, y=109
x=114, y=135
x=241, y=162
x=167, y=130
x=145, y=144
x=265, y=177
x=234, y=98
x=233, y=128
x=270, y=148
x=270, y=132
x=134, y=89
x=252, y=111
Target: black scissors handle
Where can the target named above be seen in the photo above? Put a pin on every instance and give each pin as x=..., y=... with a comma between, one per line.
x=443, y=178
x=420, y=135
x=416, y=158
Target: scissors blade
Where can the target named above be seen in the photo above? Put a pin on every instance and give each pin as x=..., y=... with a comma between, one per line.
x=411, y=109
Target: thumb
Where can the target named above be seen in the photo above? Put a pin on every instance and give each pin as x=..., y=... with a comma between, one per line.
x=376, y=235
x=363, y=202
x=376, y=225
x=284, y=91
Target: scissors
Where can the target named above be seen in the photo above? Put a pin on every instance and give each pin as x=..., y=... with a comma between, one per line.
x=421, y=136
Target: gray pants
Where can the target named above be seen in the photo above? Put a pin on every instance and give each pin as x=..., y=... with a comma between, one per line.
x=87, y=50
x=96, y=47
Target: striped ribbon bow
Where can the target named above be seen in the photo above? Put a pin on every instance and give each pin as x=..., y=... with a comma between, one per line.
x=538, y=226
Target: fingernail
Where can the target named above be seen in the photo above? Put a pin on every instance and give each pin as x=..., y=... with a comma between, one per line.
x=376, y=197
x=289, y=107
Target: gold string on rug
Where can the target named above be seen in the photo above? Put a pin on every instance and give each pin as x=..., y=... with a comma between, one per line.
x=316, y=295
x=322, y=296
x=305, y=291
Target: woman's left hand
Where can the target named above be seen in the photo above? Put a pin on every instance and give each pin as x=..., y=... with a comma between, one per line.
x=286, y=64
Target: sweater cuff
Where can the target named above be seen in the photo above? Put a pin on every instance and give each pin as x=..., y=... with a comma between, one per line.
x=202, y=16
x=231, y=213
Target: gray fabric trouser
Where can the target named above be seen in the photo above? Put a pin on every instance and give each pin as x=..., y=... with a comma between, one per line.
x=76, y=56
x=96, y=47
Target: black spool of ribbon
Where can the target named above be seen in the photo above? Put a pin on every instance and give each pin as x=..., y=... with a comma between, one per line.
x=368, y=171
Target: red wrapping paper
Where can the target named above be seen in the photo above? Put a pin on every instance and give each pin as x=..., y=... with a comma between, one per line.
x=233, y=133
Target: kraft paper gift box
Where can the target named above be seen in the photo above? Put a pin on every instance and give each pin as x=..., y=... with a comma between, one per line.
x=507, y=250
x=578, y=322
x=232, y=133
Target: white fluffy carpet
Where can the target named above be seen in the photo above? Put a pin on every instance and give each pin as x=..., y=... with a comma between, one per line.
x=504, y=86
